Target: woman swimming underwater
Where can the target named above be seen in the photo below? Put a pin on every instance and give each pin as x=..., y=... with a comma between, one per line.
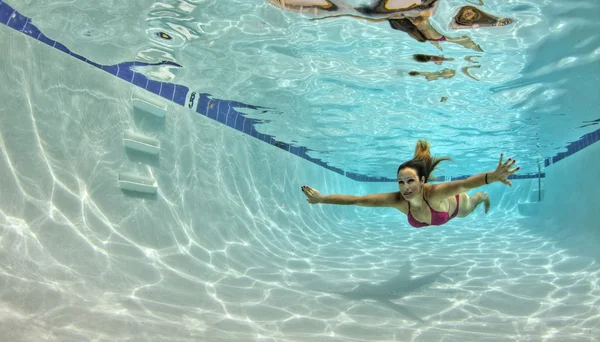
x=426, y=204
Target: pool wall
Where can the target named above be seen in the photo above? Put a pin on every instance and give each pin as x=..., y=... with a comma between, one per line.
x=572, y=200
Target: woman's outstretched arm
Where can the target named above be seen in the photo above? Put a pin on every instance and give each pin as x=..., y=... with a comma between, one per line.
x=390, y=199
x=444, y=190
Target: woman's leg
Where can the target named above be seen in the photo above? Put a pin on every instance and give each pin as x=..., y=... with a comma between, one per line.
x=465, y=42
x=468, y=204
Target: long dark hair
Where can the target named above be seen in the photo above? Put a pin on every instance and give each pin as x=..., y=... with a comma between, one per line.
x=422, y=161
x=419, y=57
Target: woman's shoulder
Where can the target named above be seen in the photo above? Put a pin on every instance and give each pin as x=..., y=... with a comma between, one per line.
x=400, y=203
x=429, y=192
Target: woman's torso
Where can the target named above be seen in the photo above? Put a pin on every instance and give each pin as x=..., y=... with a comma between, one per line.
x=424, y=213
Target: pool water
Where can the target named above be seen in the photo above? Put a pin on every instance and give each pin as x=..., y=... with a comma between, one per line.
x=227, y=248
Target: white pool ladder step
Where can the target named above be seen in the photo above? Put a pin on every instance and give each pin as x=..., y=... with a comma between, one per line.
x=152, y=104
x=529, y=208
x=137, y=183
x=149, y=103
x=140, y=142
x=536, y=195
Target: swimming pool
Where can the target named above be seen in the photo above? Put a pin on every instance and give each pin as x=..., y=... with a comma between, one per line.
x=228, y=249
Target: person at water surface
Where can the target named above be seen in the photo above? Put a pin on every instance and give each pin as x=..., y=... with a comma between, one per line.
x=409, y=16
x=421, y=58
x=431, y=76
x=426, y=204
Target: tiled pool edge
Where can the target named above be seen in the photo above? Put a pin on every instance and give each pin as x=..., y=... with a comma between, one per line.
x=224, y=111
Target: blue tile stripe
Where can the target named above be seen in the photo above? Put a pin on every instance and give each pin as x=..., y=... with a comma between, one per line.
x=6, y=13
x=575, y=146
x=525, y=176
x=225, y=111
x=169, y=91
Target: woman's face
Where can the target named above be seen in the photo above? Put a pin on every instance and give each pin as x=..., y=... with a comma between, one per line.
x=409, y=183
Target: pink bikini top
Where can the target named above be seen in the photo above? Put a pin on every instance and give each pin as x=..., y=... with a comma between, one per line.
x=443, y=39
x=437, y=217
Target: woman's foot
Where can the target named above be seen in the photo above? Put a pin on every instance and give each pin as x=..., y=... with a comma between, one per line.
x=477, y=199
x=486, y=201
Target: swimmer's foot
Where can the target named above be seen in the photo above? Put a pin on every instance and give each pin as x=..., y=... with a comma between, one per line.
x=486, y=201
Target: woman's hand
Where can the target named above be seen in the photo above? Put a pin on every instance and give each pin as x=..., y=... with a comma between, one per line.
x=503, y=171
x=313, y=196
